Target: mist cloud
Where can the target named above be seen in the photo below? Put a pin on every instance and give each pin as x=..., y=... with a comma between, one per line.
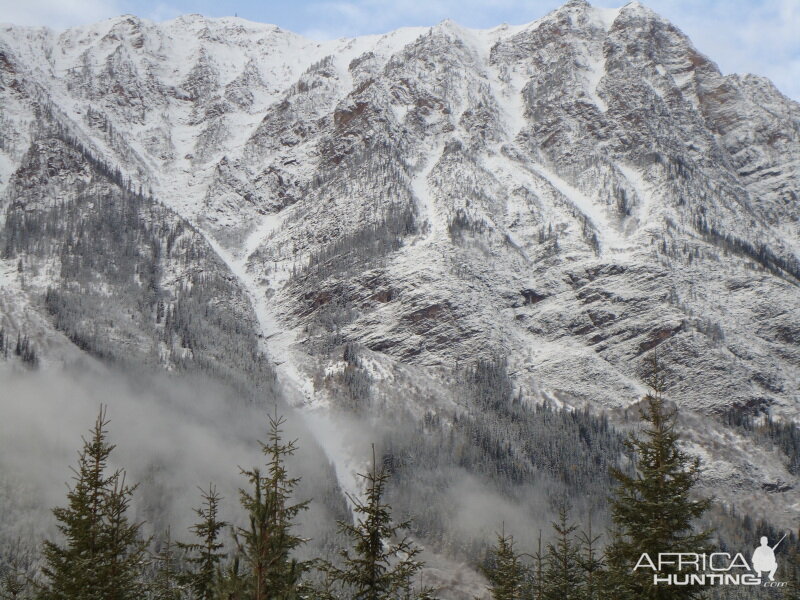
x=171, y=435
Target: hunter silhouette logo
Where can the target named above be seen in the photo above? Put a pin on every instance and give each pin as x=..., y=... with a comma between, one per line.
x=716, y=568
x=764, y=558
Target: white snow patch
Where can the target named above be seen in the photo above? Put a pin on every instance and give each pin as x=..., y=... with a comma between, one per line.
x=607, y=232
x=605, y=16
x=511, y=101
x=7, y=168
x=375, y=369
x=400, y=111
x=334, y=368
x=269, y=224
x=596, y=70
x=644, y=195
x=508, y=94
x=277, y=341
x=422, y=192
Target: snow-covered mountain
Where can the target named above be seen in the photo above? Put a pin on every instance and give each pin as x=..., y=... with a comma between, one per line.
x=571, y=195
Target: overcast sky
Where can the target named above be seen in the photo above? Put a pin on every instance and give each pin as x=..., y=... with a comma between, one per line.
x=741, y=36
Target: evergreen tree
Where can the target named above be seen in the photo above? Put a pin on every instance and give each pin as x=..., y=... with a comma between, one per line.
x=205, y=556
x=166, y=583
x=591, y=563
x=231, y=582
x=653, y=509
x=376, y=568
x=103, y=556
x=16, y=574
x=538, y=571
x=266, y=546
x=12, y=585
x=791, y=573
x=122, y=545
x=562, y=573
x=508, y=577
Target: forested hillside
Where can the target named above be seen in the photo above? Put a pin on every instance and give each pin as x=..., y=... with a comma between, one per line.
x=465, y=247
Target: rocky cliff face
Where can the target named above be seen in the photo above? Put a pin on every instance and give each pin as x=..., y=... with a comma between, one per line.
x=573, y=195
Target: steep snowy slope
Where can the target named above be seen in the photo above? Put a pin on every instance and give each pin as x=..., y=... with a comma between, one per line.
x=573, y=195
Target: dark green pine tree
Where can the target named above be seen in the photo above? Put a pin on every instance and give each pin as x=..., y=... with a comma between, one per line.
x=538, y=571
x=653, y=510
x=120, y=541
x=381, y=565
x=592, y=563
x=509, y=578
x=232, y=582
x=102, y=556
x=204, y=557
x=267, y=545
x=166, y=582
x=562, y=574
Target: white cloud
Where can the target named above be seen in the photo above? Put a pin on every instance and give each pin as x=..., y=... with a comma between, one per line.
x=57, y=14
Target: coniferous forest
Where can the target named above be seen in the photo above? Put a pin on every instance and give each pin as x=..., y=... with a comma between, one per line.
x=441, y=313
x=100, y=551
x=583, y=490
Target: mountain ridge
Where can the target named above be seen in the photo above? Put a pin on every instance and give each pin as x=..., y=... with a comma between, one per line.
x=570, y=194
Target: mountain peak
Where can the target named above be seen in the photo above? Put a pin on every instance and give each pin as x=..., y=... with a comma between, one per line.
x=574, y=7
x=565, y=195
x=637, y=8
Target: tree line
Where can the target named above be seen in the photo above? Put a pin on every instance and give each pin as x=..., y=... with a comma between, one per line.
x=122, y=263
x=101, y=553
x=22, y=348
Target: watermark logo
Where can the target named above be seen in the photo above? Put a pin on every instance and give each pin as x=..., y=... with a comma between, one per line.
x=764, y=558
x=717, y=568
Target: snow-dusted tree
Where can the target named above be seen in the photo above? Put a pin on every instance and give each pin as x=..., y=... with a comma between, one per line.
x=508, y=576
x=654, y=509
x=12, y=585
x=103, y=555
x=166, y=581
x=266, y=547
x=562, y=574
x=16, y=571
x=381, y=565
x=204, y=557
x=538, y=570
x=592, y=563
